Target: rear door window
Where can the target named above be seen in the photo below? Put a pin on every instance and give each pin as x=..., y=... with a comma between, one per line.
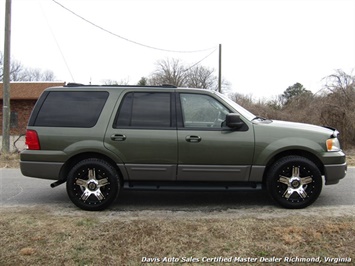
x=71, y=109
x=145, y=110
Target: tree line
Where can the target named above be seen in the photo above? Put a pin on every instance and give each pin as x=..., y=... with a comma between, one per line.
x=333, y=106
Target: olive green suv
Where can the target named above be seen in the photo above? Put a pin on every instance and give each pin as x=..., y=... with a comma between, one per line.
x=101, y=139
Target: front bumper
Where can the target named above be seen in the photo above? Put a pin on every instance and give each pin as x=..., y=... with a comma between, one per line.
x=334, y=172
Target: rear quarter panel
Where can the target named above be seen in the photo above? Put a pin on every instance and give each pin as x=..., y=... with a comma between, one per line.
x=58, y=144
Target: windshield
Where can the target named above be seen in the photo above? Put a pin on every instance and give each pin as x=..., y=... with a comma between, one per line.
x=242, y=111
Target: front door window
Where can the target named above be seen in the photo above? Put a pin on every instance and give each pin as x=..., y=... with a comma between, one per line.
x=202, y=111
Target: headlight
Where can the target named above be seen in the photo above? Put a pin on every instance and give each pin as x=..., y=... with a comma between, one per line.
x=333, y=144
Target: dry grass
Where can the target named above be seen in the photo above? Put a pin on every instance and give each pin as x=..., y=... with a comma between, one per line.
x=11, y=160
x=350, y=157
x=36, y=236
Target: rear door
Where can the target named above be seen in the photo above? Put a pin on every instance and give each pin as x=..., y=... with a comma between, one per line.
x=208, y=151
x=143, y=134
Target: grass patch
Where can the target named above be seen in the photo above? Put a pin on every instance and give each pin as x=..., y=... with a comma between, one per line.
x=34, y=236
x=11, y=160
x=350, y=157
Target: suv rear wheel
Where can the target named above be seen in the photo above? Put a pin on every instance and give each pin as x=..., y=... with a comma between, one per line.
x=93, y=184
x=294, y=182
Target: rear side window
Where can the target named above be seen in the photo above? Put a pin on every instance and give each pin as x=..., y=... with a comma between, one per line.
x=71, y=109
x=145, y=110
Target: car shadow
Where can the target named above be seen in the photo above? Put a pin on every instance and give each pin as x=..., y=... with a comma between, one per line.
x=189, y=201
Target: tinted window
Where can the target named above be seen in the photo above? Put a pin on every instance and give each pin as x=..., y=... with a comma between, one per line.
x=202, y=111
x=145, y=109
x=71, y=109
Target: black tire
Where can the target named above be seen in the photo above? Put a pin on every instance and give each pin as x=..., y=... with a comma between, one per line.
x=93, y=184
x=294, y=182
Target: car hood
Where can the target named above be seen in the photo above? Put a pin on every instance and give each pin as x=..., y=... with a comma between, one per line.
x=298, y=127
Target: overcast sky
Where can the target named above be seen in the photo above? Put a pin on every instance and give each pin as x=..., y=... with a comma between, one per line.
x=266, y=45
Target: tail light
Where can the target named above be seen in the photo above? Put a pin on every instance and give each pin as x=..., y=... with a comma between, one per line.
x=32, y=140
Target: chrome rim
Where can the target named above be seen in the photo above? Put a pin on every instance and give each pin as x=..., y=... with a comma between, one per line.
x=92, y=186
x=295, y=184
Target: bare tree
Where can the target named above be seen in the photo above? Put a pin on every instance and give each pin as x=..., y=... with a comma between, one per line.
x=201, y=77
x=115, y=82
x=174, y=72
x=338, y=107
x=16, y=69
x=341, y=82
x=20, y=73
x=169, y=71
x=36, y=74
x=47, y=75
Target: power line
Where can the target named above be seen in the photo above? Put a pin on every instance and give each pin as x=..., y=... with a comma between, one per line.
x=126, y=39
x=58, y=46
x=200, y=60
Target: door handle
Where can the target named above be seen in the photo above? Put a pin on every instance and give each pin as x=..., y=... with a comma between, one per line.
x=118, y=137
x=193, y=139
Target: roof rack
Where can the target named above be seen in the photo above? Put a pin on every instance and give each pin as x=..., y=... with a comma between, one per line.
x=71, y=84
x=130, y=86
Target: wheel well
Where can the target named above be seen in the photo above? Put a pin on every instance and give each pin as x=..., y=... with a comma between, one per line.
x=302, y=153
x=79, y=157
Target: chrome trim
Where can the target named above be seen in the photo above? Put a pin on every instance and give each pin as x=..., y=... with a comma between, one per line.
x=213, y=173
x=162, y=172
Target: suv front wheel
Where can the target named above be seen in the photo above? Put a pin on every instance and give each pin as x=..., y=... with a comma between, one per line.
x=294, y=182
x=93, y=184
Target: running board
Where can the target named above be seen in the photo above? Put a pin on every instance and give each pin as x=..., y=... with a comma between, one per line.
x=191, y=187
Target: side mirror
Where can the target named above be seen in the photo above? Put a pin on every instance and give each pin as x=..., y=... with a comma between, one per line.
x=234, y=121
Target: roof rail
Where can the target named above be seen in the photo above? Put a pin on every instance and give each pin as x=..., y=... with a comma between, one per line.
x=130, y=86
x=168, y=86
x=72, y=84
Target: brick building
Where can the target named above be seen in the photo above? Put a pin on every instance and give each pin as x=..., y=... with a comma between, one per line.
x=23, y=96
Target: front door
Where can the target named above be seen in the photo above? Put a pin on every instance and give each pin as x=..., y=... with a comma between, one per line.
x=209, y=151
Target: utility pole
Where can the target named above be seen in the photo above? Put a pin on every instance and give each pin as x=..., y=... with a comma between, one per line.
x=220, y=69
x=6, y=82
